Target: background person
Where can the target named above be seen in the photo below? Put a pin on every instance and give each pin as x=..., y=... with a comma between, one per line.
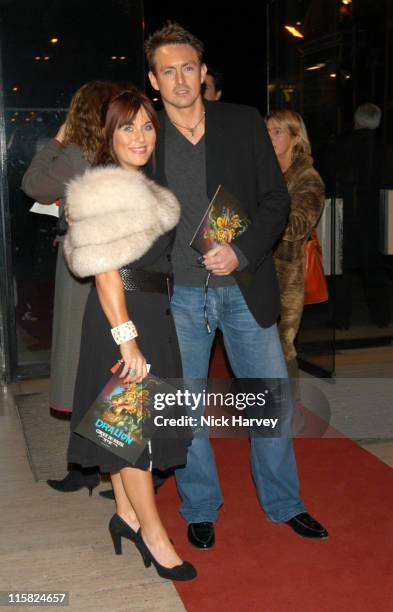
x=212, y=86
x=306, y=191
x=67, y=155
x=355, y=168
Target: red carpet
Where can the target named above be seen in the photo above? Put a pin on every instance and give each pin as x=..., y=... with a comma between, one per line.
x=259, y=566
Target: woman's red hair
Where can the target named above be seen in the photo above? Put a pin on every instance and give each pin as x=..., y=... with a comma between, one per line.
x=120, y=111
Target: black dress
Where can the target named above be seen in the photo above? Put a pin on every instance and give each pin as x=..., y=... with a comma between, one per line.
x=158, y=342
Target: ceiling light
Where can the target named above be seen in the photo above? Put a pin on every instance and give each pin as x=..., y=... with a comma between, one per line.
x=332, y=75
x=54, y=40
x=316, y=66
x=294, y=31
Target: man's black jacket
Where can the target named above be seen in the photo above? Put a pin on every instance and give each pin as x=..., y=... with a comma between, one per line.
x=239, y=155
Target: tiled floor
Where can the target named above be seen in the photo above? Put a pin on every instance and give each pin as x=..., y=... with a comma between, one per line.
x=374, y=364
x=55, y=542
x=60, y=542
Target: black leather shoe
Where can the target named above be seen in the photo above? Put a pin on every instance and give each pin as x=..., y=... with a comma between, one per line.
x=307, y=527
x=75, y=480
x=201, y=535
x=185, y=571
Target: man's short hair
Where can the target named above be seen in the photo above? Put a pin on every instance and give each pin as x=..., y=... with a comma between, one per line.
x=367, y=116
x=171, y=34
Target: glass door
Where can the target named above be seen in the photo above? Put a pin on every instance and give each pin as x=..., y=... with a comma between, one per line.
x=46, y=55
x=332, y=63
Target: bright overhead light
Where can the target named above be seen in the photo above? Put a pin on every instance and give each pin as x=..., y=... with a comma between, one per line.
x=316, y=66
x=46, y=58
x=54, y=40
x=114, y=57
x=294, y=31
x=346, y=1
x=15, y=88
x=122, y=57
x=332, y=75
x=37, y=58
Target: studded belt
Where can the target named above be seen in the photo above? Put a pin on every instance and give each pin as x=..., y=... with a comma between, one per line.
x=143, y=280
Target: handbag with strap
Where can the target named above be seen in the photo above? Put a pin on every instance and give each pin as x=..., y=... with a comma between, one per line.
x=315, y=286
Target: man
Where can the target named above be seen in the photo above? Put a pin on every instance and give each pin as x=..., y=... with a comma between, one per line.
x=212, y=86
x=200, y=146
x=356, y=167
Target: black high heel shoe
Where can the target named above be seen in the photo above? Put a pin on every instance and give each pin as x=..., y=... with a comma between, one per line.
x=120, y=529
x=185, y=571
x=76, y=480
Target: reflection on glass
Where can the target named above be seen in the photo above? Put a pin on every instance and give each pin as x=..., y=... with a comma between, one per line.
x=343, y=61
x=47, y=55
x=33, y=235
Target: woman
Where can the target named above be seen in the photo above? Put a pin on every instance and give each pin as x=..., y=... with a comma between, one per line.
x=306, y=189
x=121, y=233
x=69, y=154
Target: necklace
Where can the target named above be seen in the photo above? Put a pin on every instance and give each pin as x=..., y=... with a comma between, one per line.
x=189, y=129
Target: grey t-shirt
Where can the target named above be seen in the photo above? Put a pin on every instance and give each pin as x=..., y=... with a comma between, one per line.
x=185, y=168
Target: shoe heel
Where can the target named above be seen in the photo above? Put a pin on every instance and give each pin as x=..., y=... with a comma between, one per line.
x=146, y=559
x=116, y=539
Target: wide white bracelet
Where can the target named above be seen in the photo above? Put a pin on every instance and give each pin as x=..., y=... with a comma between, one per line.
x=124, y=332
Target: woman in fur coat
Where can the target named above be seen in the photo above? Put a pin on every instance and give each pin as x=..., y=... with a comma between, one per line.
x=306, y=189
x=121, y=232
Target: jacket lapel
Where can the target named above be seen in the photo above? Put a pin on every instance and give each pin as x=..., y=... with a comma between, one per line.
x=215, y=144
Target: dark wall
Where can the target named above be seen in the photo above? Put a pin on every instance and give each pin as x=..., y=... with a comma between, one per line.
x=89, y=33
x=235, y=42
x=34, y=95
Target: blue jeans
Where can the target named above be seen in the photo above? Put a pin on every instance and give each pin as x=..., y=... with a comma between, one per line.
x=254, y=352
